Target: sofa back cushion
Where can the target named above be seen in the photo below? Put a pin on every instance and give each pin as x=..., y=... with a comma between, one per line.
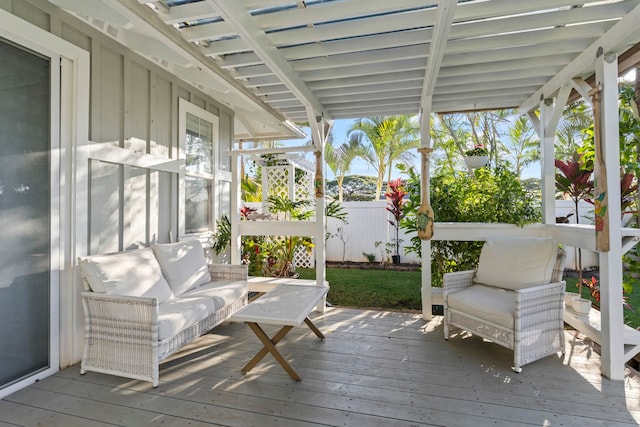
x=516, y=263
x=132, y=273
x=183, y=265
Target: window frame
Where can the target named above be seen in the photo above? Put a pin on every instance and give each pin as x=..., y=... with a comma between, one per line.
x=184, y=108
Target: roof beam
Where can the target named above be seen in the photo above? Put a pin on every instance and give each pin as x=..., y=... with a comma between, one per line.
x=614, y=38
x=236, y=14
x=442, y=26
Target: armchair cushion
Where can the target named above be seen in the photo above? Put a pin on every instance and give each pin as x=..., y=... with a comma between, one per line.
x=485, y=302
x=516, y=263
x=183, y=265
x=132, y=273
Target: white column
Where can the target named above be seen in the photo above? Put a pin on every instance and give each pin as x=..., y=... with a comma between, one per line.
x=425, y=137
x=234, y=215
x=426, y=280
x=550, y=115
x=547, y=163
x=611, y=261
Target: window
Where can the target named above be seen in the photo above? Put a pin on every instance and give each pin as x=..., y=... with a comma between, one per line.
x=198, y=146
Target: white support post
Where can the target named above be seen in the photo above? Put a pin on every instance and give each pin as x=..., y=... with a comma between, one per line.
x=611, y=261
x=321, y=220
x=427, y=304
x=236, y=241
x=547, y=163
x=425, y=142
x=550, y=115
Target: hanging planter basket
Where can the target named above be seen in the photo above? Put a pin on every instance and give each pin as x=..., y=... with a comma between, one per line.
x=475, y=162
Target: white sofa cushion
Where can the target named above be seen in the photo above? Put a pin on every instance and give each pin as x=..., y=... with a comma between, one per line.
x=222, y=293
x=183, y=265
x=516, y=263
x=180, y=313
x=485, y=302
x=132, y=273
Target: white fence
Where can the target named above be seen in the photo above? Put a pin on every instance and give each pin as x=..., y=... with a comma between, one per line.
x=368, y=224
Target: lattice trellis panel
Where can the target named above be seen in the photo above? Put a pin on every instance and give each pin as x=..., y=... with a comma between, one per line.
x=278, y=180
x=304, y=187
x=303, y=259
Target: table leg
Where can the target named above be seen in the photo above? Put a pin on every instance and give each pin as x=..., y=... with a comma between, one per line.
x=270, y=347
x=314, y=328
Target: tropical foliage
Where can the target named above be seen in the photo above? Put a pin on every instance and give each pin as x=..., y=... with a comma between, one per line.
x=395, y=201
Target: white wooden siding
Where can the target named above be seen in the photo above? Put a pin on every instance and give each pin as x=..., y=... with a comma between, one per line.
x=133, y=106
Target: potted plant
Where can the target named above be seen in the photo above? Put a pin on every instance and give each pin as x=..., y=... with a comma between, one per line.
x=583, y=305
x=476, y=157
x=594, y=289
x=395, y=198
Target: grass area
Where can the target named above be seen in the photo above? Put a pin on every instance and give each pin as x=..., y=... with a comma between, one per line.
x=371, y=288
x=400, y=290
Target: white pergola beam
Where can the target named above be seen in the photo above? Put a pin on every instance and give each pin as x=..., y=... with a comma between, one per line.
x=235, y=14
x=613, y=38
x=442, y=27
x=377, y=79
x=356, y=70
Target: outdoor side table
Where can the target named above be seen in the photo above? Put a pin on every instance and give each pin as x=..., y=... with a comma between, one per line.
x=286, y=306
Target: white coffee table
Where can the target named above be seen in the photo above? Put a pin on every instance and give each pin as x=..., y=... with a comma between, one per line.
x=286, y=306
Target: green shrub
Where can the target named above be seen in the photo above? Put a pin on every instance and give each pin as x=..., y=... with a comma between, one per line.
x=492, y=195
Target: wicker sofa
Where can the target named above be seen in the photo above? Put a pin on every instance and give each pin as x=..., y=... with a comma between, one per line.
x=143, y=305
x=514, y=298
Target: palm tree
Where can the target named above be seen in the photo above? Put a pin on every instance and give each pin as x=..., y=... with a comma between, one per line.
x=339, y=159
x=570, y=132
x=389, y=140
x=522, y=146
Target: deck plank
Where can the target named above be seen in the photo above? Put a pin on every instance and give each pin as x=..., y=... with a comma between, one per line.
x=374, y=368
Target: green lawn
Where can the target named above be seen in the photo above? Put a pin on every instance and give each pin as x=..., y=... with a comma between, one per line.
x=400, y=290
x=384, y=289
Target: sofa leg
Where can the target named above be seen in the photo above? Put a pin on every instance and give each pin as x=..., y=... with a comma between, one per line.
x=517, y=369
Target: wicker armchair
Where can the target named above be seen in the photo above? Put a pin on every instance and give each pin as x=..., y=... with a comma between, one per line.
x=514, y=298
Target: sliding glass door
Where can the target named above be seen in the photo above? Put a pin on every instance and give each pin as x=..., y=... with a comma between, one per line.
x=25, y=213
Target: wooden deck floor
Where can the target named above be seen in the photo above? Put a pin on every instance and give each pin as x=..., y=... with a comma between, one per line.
x=374, y=369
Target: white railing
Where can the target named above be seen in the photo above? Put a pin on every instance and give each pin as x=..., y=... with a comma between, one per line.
x=368, y=224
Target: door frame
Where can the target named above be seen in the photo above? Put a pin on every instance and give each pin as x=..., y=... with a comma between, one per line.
x=69, y=186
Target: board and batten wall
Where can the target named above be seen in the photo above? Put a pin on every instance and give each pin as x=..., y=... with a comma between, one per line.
x=133, y=105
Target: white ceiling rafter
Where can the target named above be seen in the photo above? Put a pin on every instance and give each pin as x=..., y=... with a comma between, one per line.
x=234, y=13
x=302, y=60
x=442, y=27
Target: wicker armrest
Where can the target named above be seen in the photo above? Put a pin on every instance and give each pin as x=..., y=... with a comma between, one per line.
x=538, y=299
x=119, y=310
x=456, y=281
x=228, y=272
